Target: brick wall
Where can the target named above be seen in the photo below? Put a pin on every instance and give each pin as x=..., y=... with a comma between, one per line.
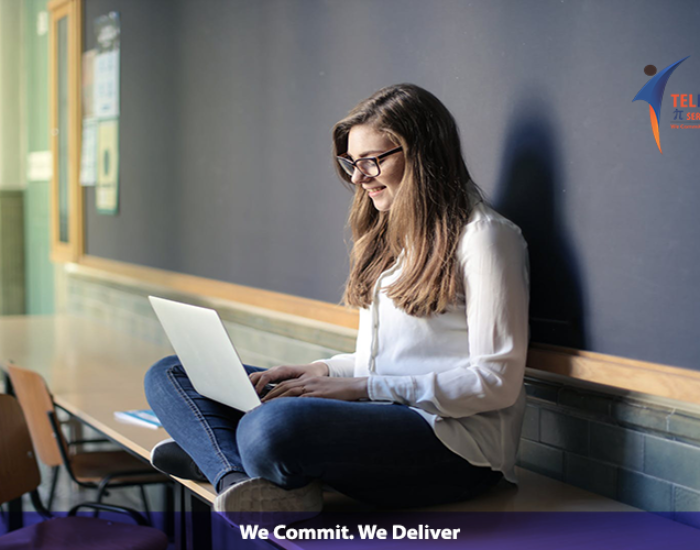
x=634, y=450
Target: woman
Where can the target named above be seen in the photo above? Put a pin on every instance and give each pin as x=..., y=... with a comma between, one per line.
x=442, y=284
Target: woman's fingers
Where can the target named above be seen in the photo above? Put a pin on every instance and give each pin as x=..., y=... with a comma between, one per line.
x=286, y=372
x=345, y=389
x=258, y=380
x=265, y=379
x=288, y=388
x=274, y=391
x=262, y=378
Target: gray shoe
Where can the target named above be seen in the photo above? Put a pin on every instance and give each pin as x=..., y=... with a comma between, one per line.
x=259, y=501
x=168, y=457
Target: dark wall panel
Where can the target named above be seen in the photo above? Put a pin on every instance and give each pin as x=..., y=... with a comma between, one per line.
x=227, y=108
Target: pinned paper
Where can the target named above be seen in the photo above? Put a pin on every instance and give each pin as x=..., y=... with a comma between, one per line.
x=107, y=192
x=88, y=156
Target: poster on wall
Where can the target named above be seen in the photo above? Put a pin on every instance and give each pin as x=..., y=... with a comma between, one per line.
x=107, y=191
x=106, y=71
x=88, y=155
x=101, y=106
x=88, y=76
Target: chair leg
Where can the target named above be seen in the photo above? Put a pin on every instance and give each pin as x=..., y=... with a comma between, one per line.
x=54, y=481
x=145, y=504
x=169, y=509
x=101, y=492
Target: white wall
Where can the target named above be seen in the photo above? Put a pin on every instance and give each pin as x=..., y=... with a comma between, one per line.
x=11, y=134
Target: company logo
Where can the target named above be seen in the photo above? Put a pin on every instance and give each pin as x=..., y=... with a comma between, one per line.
x=653, y=92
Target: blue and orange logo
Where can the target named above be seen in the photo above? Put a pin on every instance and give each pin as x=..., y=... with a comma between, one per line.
x=653, y=92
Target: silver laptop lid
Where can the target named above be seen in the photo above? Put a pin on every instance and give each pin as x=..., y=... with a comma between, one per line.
x=206, y=352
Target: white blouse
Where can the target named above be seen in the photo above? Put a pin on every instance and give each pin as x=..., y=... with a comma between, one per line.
x=462, y=370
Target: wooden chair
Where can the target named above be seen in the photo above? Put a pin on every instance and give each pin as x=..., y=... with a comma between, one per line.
x=91, y=469
x=19, y=474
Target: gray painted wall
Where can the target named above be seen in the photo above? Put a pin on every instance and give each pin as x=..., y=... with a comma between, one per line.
x=225, y=171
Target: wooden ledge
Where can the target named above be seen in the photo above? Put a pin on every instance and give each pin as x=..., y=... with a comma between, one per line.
x=623, y=374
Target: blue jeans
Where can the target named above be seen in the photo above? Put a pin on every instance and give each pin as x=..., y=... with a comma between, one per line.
x=386, y=455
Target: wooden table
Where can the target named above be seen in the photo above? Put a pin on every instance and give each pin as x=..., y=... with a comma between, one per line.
x=91, y=370
x=94, y=370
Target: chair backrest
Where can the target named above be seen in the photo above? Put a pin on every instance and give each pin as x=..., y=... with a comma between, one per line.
x=36, y=402
x=19, y=472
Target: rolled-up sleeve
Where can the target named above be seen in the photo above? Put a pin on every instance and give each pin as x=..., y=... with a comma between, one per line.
x=496, y=272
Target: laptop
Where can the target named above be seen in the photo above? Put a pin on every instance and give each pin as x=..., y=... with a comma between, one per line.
x=207, y=354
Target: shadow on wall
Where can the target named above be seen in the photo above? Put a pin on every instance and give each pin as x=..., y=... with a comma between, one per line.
x=529, y=192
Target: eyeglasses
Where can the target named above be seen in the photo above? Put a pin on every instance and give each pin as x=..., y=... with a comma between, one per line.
x=367, y=166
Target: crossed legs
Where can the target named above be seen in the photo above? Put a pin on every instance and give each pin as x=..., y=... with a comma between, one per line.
x=386, y=455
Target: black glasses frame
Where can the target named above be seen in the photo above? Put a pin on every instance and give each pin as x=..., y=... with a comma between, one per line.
x=349, y=165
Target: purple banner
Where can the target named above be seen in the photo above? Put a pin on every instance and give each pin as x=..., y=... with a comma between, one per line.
x=469, y=530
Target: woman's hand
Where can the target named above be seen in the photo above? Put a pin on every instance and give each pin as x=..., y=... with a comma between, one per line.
x=344, y=389
x=286, y=372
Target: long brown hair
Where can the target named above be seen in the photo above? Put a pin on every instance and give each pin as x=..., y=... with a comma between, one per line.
x=429, y=211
